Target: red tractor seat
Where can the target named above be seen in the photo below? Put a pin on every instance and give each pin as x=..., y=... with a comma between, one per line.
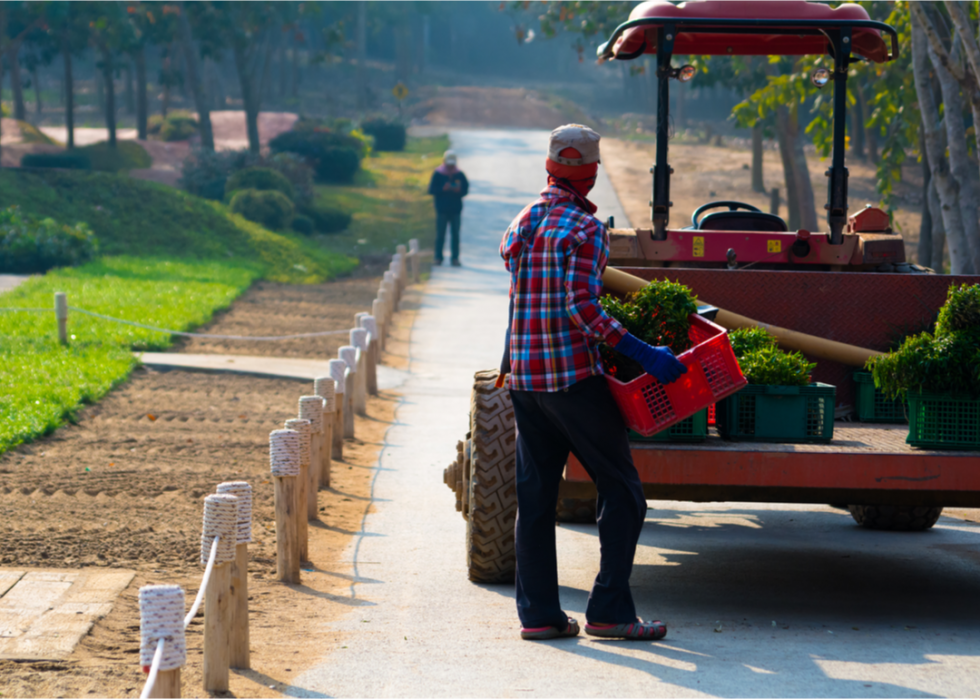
x=742, y=221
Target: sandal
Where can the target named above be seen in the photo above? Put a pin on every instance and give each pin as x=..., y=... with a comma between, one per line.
x=635, y=631
x=546, y=633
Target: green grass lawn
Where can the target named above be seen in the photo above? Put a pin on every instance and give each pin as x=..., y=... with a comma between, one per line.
x=135, y=217
x=43, y=383
x=171, y=260
x=388, y=199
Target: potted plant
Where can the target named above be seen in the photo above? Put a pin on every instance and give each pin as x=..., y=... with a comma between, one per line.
x=939, y=373
x=780, y=404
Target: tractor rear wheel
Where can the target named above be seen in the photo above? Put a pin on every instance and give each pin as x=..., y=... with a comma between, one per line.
x=576, y=510
x=902, y=518
x=492, y=495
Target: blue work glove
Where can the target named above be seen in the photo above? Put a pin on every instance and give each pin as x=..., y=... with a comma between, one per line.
x=659, y=362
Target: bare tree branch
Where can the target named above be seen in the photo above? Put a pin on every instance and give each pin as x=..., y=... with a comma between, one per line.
x=919, y=12
x=961, y=22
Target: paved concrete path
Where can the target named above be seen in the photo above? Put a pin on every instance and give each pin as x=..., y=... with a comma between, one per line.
x=760, y=600
x=276, y=367
x=9, y=282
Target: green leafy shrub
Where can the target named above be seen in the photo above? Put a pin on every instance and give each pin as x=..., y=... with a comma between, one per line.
x=947, y=362
x=178, y=125
x=261, y=178
x=327, y=219
x=205, y=173
x=303, y=224
x=745, y=340
x=69, y=160
x=334, y=157
x=656, y=314
x=271, y=209
x=29, y=245
x=178, y=129
x=764, y=364
x=388, y=135
x=127, y=155
x=961, y=310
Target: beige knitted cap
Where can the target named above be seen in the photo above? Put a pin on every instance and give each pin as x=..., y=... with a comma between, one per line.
x=581, y=138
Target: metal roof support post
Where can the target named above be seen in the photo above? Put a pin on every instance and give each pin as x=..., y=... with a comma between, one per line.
x=660, y=211
x=837, y=184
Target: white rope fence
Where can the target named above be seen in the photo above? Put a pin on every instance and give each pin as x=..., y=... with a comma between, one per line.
x=300, y=463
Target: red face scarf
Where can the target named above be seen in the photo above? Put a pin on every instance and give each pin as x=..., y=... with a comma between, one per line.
x=581, y=178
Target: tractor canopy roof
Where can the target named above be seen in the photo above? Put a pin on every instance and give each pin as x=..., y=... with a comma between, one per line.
x=748, y=28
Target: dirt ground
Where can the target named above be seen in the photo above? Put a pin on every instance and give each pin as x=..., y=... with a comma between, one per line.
x=492, y=107
x=703, y=173
x=124, y=488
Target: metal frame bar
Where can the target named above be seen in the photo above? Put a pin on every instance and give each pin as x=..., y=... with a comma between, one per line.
x=839, y=35
x=750, y=26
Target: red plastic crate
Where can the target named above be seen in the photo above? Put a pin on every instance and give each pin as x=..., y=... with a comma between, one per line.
x=711, y=414
x=712, y=374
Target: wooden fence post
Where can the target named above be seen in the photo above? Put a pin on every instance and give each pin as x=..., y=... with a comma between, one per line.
x=413, y=259
x=377, y=312
x=311, y=408
x=373, y=354
x=359, y=339
x=284, y=458
x=306, y=485
x=349, y=355
x=220, y=520
x=61, y=315
x=324, y=386
x=162, y=616
x=240, y=655
x=338, y=372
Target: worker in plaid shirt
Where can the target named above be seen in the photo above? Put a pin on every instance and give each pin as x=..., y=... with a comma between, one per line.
x=556, y=251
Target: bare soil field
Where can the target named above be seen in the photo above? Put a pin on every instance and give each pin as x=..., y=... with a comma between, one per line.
x=704, y=173
x=124, y=488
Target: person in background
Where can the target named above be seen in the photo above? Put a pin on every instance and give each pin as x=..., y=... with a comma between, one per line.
x=556, y=252
x=448, y=186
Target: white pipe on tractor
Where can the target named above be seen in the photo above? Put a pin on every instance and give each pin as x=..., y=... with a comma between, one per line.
x=817, y=347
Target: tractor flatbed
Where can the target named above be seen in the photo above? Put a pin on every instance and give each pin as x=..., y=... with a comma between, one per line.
x=865, y=462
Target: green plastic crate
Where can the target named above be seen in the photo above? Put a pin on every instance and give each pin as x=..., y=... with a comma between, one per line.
x=944, y=421
x=693, y=429
x=778, y=414
x=873, y=406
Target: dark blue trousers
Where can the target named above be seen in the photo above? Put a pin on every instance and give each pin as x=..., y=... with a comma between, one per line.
x=451, y=221
x=584, y=420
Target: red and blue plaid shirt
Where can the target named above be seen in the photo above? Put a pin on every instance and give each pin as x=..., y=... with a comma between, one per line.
x=556, y=252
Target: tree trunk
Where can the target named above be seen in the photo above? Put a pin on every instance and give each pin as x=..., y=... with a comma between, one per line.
x=295, y=76
x=858, y=117
x=194, y=78
x=871, y=143
x=168, y=79
x=20, y=112
x=947, y=194
x=249, y=100
x=142, y=110
x=130, y=97
x=69, y=82
x=361, y=55
x=100, y=92
x=758, y=185
x=924, y=249
x=110, y=96
x=938, y=237
x=962, y=167
x=36, y=79
x=789, y=169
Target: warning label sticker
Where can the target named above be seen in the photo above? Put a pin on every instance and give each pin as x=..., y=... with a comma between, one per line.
x=698, y=247
x=774, y=245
